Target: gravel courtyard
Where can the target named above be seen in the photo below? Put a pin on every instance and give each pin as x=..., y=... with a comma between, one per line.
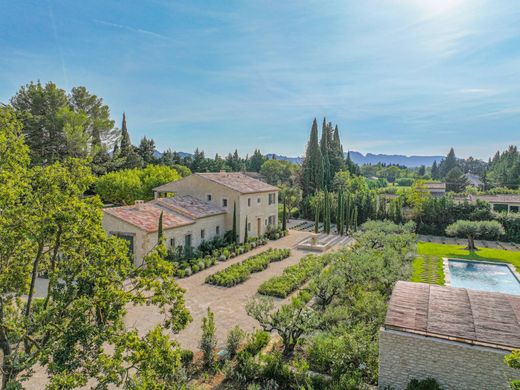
x=228, y=304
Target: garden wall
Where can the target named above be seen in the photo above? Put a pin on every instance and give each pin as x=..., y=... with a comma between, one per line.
x=404, y=356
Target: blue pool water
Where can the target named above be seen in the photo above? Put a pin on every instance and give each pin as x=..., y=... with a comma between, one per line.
x=476, y=275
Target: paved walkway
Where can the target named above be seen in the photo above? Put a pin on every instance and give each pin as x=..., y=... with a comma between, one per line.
x=228, y=304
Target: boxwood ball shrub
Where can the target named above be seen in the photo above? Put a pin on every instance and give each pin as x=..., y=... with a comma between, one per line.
x=240, y=272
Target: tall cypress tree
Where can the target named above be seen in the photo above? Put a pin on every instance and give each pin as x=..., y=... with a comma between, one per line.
x=325, y=152
x=340, y=213
x=448, y=164
x=316, y=217
x=245, y=232
x=126, y=149
x=435, y=170
x=125, y=137
x=326, y=213
x=284, y=214
x=234, y=230
x=160, y=233
x=337, y=158
x=312, y=167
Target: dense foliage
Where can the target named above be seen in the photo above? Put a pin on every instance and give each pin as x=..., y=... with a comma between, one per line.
x=240, y=272
x=329, y=331
x=491, y=230
x=128, y=185
x=76, y=330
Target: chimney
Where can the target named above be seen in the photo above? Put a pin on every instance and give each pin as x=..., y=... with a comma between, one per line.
x=139, y=203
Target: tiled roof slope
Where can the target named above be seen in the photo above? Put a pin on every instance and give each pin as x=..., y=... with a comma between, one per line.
x=236, y=181
x=177, y=211
x=146, y=216
x=189, y=206
x=459, y=314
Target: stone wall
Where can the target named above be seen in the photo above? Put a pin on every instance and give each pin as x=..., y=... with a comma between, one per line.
x=404, y=356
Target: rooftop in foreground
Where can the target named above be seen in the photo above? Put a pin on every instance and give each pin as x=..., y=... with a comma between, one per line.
x=469, y=316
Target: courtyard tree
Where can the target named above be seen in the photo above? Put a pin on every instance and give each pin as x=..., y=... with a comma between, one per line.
x=291, y=321
x=208, y=341
x=474, y=230
x=312, y=167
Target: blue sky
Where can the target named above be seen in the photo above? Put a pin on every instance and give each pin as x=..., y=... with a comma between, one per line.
x=398, y=76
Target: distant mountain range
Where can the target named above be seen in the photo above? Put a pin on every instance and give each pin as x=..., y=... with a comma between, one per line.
x=370, y=158
x=359, y=158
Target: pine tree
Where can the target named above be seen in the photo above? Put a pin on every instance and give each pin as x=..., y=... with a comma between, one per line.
x=448, y=164
x=245, y=232
x=435, y=171
x=312, y=167
x=160, y=233
x=127, y=150
x=234, y=230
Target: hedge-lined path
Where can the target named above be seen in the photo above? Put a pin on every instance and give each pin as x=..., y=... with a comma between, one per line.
x=228, y=304
x=510, y=246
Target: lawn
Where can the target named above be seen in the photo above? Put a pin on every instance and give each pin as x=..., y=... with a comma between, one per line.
x=427, y=267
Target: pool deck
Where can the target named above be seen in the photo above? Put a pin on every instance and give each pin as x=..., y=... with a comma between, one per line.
x=447, y=273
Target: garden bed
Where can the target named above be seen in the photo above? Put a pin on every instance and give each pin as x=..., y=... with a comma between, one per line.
x=240, y=272
x=294, y=276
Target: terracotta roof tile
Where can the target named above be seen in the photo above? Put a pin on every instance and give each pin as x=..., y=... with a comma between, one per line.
x=189, y=206
x=456, y=313
x=238, y=181
x=146, y=216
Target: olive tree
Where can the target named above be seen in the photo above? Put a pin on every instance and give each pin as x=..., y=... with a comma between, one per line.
x=474, y=230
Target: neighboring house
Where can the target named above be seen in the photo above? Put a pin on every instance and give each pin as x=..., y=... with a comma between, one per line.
x=187, y=221
x=457, y=336
x=254, y=199
x=474, y=180
x=435, y=189
x=501, y=202
x=196, y=208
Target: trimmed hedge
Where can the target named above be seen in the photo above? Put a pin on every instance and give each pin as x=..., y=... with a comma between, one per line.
x=294, y=276
x=240, y=272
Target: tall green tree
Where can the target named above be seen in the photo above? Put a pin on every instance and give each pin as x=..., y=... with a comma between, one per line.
x=234, y=229
x=126, y=150
x=160, y=231
x=312, y=167
x=447, y=164
x=435, y=171
x=337, y=157
x=284, y=214
x=256, y=161
x=76, y=331
x=455, y=180
x=245, y=231
x=208, y=342
x=325, y=148
x=146, y=150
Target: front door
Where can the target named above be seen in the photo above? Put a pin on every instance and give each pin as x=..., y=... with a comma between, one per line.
x=258, y=227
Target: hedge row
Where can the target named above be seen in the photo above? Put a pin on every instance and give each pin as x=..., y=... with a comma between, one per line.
x=240, y=272
x=189, y=267
x=293, y=276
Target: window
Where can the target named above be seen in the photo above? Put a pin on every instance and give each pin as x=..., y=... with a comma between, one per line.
x=271, y=220
x=272, y=199
x=217, y=230
x=224, y=202
x=266, y=222
x=209, y=197
x=202, y=233
x=249, y=226
x=187, y=245
x=172, y=242
x=248, y=202
x=258, y=200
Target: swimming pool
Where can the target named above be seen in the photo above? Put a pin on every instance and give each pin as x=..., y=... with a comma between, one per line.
x=484, y=276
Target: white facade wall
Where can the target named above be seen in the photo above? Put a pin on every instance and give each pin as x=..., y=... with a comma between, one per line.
x=200, y=188
x=144, y=242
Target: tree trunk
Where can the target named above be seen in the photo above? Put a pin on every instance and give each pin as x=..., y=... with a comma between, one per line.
x=471, y=244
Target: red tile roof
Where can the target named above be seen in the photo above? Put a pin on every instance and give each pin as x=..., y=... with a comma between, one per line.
x=474, y=317
x=189, y=206
x=177, y=211
x=146, y=216
x=236, y=181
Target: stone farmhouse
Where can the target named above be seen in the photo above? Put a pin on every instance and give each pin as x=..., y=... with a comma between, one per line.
x=457, y=336
x=196, y=208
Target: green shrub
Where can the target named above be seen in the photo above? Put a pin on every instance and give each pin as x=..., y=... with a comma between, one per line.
x=240, y=272
x=257, y=341
x=186, y=357
x=293, y=276
x=424, y=384
x=234, y=338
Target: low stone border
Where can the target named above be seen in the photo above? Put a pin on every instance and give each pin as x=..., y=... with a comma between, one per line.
x=446, y=269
